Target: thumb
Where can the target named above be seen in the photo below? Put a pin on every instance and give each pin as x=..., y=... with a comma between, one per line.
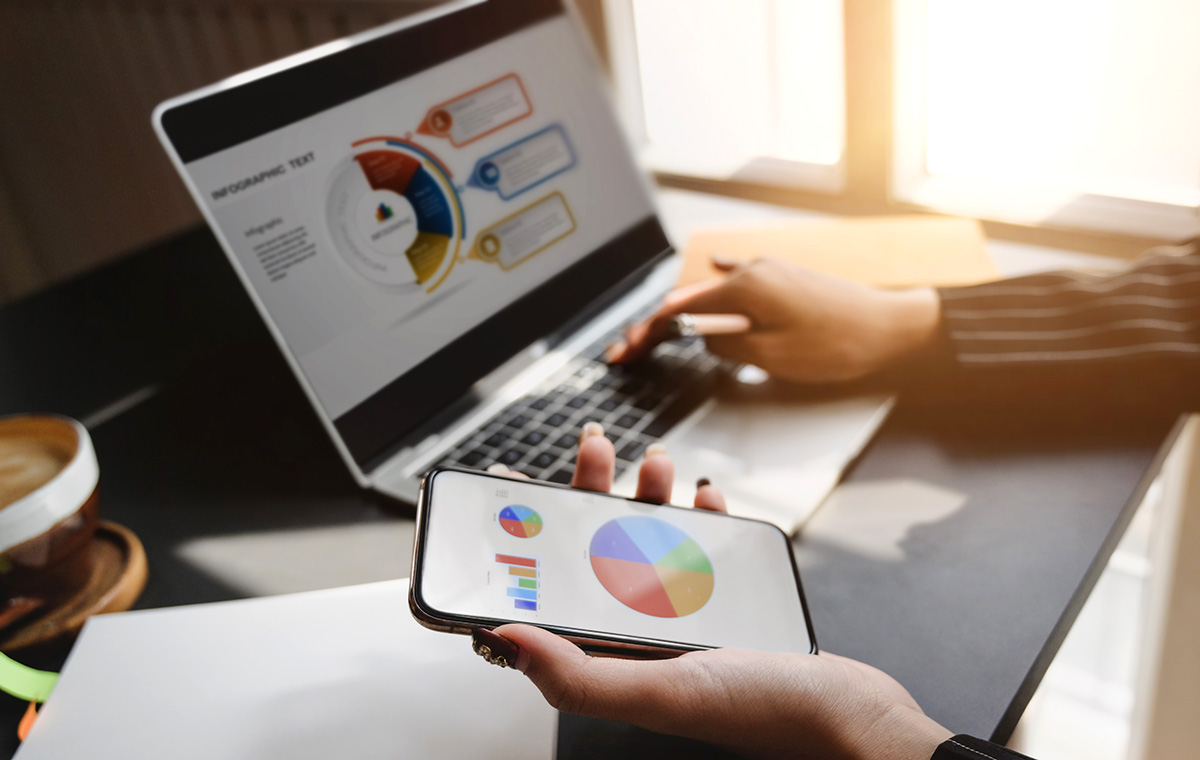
x=724, y=263
x=642, y=692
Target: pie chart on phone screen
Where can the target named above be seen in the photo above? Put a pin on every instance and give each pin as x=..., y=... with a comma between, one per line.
x=520, y=521
x=651, y=566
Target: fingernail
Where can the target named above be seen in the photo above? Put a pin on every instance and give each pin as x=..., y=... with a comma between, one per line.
x=655, y=449
x=494, y=648
x=702, y=482
x=497, y=469
x=590, y=429
x=615, y=351
x=722, y=261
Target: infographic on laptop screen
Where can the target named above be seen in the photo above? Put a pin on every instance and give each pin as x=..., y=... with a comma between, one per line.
x=377, y=232
x=511, y=550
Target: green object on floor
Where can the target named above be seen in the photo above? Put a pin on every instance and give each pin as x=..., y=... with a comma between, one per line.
x=24, y=682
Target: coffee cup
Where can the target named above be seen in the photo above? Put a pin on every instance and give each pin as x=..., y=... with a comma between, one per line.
x=49, y=508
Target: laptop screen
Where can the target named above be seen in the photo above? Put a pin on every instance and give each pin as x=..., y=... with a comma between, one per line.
x=413, y=210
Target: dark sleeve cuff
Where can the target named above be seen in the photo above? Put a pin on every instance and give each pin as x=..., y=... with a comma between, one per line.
x=963, y=747
x=936, y=361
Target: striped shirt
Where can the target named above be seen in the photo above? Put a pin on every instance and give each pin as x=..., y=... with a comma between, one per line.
x=1145, y=316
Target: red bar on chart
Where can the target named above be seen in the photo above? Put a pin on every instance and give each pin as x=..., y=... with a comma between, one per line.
x=506, y=559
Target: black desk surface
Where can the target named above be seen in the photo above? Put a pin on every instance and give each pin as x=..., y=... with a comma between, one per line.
x=966, y=610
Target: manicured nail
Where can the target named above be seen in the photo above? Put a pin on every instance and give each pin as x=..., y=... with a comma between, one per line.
x=494, y=648
x=655, y=449
x=590, y=429
x=702, y=482
x=615, y=351
x=497, y=469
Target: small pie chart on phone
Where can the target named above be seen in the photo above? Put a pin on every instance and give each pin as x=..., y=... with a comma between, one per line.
x=520, y=521
x=651, y=566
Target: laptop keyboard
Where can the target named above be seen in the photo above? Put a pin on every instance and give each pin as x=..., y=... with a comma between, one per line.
x=637, y=404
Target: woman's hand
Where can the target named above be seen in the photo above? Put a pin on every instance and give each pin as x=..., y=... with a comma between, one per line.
x=756, y=703
x=807, y=327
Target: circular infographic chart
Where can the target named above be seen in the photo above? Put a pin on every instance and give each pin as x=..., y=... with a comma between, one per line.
x=651, y=566
x=395, y=215
x=520, y=521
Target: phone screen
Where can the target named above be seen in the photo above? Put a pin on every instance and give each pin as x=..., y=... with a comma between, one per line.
x=496, y=549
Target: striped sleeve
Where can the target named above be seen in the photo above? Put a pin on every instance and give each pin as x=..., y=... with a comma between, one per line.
x=963, y=747
x=1149, y=312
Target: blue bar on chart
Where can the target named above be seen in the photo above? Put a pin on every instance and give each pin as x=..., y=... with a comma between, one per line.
x=523, y=581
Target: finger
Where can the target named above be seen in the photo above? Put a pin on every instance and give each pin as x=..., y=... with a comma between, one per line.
x=656, y=475
x=722, y=264
x=635, y=691
x=502, y=470
x=641, y=338
x=597, y=460
x=709, y=496
x=729, y=295
x=685, y=293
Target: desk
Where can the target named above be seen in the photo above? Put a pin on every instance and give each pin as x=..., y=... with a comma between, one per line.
x=209, y=451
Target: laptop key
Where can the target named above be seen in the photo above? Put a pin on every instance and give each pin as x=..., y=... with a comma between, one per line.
x=556, y=420
x=631, y=451
x=495, y=440
x=539, y=404
x=562, y=476
x=543, y=460
x=577, y=402
x=633, y=385
x=565, y=441
x=534, y=438
x=648, y=402
x=607, y=405
x=680, y=407
x=602, y=383
x=626, y=421
x=509, y=457
x=518, y=422
x=471, y=458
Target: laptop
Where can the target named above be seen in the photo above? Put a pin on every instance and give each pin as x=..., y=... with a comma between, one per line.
x=443, y=227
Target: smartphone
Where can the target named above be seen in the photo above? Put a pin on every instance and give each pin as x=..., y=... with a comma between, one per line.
x=615, y=575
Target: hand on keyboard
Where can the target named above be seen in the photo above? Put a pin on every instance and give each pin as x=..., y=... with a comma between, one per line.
x=808, y=327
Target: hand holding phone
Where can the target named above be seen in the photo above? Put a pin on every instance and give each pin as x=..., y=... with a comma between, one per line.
x=612, y=574
x=761, y=704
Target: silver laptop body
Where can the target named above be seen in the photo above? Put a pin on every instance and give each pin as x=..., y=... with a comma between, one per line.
x=442, y=226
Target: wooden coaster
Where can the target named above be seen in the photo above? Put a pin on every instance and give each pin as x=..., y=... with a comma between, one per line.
x=118, y=577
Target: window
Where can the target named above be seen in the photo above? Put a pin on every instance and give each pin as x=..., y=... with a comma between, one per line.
x=1064, y=114
x=1069, y=113
x=745, y=89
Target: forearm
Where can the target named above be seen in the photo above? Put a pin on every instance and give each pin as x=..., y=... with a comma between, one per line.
x=1147, y=314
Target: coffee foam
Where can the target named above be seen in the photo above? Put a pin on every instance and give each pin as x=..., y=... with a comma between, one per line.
x=53, y=456
x=26, y=464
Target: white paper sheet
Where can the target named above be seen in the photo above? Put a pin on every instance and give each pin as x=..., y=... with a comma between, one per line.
x=324, y=674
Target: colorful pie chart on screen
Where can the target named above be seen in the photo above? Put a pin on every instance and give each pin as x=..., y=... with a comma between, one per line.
x=394, y=214
x=651, y=566
x=521, y=522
